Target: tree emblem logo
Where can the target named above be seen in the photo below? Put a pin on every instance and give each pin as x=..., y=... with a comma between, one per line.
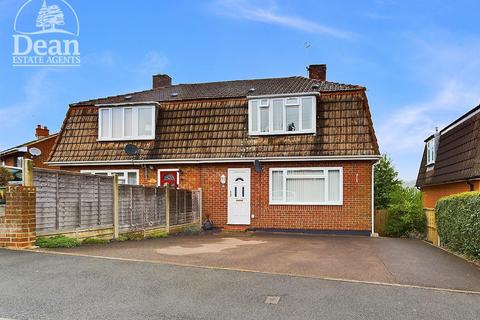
x=51, y=18
x=45, y=35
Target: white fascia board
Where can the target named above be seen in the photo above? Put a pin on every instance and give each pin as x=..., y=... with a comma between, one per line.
x=299, y=94
x=216, y=160
x=126, y=103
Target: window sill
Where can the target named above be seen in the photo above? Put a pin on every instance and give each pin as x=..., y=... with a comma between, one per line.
x=124, y=139
x=288, y=133
x=306, y=204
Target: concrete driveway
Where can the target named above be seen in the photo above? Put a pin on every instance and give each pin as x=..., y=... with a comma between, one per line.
x=386, y=260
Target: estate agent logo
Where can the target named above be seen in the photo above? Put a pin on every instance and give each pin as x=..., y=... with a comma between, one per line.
x=50, y=39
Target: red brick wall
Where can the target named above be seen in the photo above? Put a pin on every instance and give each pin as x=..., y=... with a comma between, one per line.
x=430, y=195
x=354, y=214
x=17, y=227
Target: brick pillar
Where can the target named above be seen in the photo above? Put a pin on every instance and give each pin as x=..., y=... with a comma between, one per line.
x=18, y=225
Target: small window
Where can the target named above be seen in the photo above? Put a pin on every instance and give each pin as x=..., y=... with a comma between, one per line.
x=431, y=152
x=126, y=123
x=282, y=115
x=306, y=186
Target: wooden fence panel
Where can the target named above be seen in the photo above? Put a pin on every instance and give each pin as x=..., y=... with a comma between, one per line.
x=69, y=201
x=432, y=234
x=380, y=222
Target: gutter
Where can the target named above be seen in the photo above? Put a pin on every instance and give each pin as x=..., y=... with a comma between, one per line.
x=213, y=160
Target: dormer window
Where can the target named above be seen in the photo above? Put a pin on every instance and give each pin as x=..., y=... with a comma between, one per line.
x=126, y=123
x=282, y=115
x=431, y=152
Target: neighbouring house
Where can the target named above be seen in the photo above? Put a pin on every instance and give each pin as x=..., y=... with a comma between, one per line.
x=44, y=142
x=451, y=160
x=293, y=153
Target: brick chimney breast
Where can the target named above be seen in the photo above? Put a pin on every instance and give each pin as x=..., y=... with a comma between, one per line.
x=317, y=72
x=41, y=132
x=161, y=80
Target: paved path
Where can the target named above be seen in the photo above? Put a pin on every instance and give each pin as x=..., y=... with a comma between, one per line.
x=50, y=286
x=388, y=260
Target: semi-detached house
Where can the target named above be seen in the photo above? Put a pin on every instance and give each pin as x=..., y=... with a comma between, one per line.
x=292, y=153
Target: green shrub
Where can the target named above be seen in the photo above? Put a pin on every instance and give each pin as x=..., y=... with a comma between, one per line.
x=57, y=242
x=5, y=176
x=95, y=241
x=405, y=215
x=135, y=236
x=121, y=238
x=458, y=222
x=156, y=234
x=191, y=230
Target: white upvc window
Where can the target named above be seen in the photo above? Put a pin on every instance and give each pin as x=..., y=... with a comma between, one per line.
x=126, y=123
x=306, y=186
x=282, y=115
x=431, y=152
x=124, y=176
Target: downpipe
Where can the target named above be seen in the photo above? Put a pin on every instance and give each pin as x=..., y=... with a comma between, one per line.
x=373, y=234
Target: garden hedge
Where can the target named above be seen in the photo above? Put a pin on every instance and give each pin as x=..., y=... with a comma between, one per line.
x=458, y=222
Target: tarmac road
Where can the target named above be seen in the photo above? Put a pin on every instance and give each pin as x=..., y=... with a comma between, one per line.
x=51, y=286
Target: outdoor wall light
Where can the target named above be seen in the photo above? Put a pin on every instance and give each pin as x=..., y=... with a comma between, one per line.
x=223, y=179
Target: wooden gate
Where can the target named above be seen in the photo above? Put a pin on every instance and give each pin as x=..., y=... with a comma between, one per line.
x=432, y=234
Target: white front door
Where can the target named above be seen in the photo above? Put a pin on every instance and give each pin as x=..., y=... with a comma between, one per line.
x=238, y=196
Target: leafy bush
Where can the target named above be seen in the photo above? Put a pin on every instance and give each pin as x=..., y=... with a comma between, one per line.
x=156, y=234
x=405, y=214
x=5, y=176
x=191, y=230
x=458, y=222
x=57, y=242
x=95, y=241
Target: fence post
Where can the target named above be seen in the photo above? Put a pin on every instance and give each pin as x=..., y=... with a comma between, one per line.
x=200, y=209
x=115, y=207
x=27, y=172
x=167, y=209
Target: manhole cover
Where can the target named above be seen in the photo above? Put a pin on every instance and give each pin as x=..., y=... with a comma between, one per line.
x=272, y=300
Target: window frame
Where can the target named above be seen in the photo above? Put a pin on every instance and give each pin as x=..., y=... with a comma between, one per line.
x=431, y=152
x=269, y=105
x=135, y=119
x=111, y=172
x=316, y=203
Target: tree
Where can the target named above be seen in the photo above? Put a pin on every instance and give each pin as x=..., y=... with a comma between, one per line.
x=42, y=13
x=386, y=182
x=5, y=176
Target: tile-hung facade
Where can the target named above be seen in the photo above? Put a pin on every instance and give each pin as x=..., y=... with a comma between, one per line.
x=451, y=160
x=294, y=153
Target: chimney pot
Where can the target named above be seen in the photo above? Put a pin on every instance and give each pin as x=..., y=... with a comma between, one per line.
x=41, y=132
x=317, y=72
x=161, y=81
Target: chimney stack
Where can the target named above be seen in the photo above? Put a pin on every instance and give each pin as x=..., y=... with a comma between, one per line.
x=41, y=132
x=161, y=80
x=317, y=72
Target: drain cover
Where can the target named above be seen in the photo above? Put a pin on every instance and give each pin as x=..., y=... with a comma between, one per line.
x=272, y=300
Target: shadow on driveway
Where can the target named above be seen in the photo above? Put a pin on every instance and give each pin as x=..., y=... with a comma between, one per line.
x=402, y=261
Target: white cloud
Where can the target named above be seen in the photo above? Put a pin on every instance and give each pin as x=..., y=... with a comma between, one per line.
x=268, y=13
x=17, y=117
x=450, y=73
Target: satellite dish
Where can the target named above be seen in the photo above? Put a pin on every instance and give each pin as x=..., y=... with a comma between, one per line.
x=132, y=150
x=258, y=166
x=35, y=151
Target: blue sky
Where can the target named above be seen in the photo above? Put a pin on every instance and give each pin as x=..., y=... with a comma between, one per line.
x=418, y=59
